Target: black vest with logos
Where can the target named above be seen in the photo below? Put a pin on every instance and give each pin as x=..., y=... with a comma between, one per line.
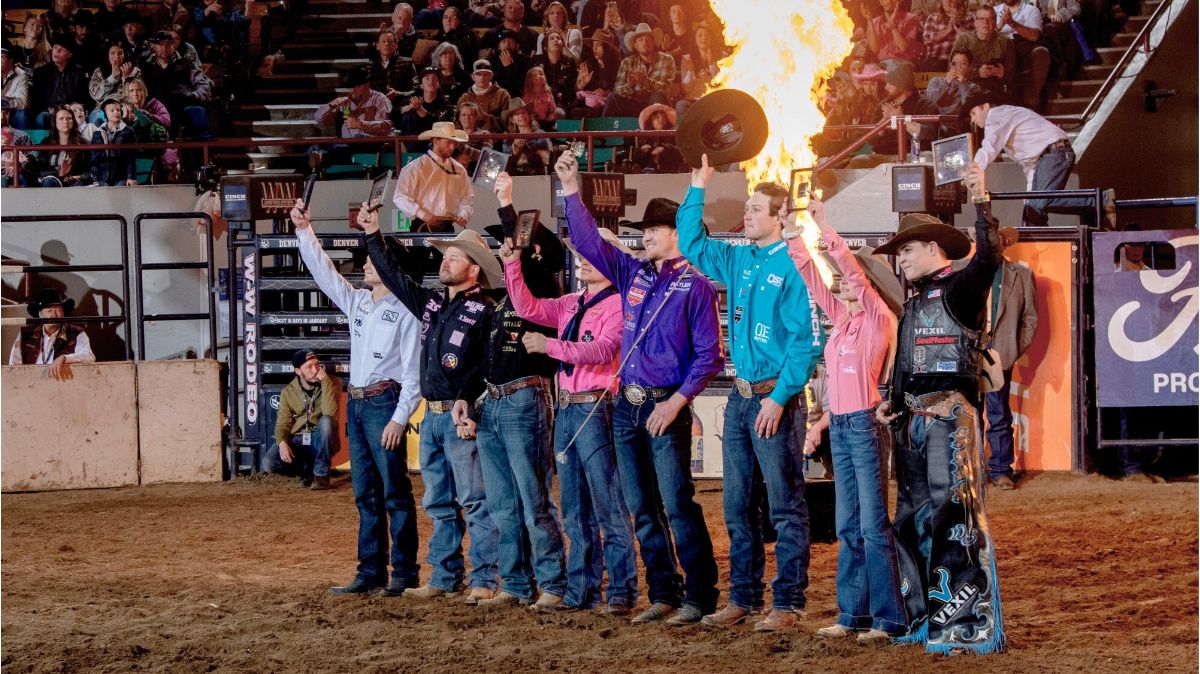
x=64, y=342
x=933, y=343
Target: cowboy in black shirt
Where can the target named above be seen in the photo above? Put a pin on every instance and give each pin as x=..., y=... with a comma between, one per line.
x=454, y=325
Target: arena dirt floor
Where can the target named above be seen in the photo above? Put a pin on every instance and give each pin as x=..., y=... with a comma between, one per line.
x=1096, y=576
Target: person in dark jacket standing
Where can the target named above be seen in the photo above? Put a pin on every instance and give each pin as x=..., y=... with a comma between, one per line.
x=946, y=557
x=59, y=82
x=112, y=166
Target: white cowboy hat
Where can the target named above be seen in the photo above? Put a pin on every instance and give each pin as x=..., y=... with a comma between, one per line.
x=643, y=29
x=470, y=242
x=444, y=130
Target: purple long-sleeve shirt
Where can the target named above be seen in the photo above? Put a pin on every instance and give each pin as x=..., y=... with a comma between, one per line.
x=682, y=346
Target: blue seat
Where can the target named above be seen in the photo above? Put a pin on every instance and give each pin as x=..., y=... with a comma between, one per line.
x=611, y=124
x=36, y=136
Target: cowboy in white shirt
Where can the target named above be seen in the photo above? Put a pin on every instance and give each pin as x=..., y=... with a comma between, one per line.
x=434, y=191
x=383, y=392
x=55, y=344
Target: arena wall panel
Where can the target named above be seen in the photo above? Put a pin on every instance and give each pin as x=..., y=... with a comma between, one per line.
x=179, y=421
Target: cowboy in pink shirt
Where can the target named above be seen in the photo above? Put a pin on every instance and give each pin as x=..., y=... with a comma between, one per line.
x=860, y=303
x=589, y=324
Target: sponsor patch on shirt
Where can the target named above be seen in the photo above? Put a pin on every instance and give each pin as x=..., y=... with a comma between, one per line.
x=587, y=336
x=390, y=316
x=946, y=366
x=473, y=306
x=449, y=361
x=737, y=314
x=636, y=295
x=762, y=332
x=935, y=292
x=377, y=355
x=456, y=338
x=775, y=280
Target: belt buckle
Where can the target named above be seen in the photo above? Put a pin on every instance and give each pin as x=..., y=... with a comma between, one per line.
x=564, y=398
x=744, y=387
x=636, y=395
x=356, y=393
x=493, y=391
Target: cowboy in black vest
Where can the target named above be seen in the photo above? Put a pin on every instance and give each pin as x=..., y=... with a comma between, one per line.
x=947, y=562
x=54, y=344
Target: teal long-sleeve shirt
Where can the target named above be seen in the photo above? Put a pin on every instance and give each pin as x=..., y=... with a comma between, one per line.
x=773, y=330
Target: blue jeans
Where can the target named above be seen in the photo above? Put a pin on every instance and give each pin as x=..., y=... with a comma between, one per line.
x=656, y=478
x=454, y=484
x=590, y=490
x=309, y=459
x=868, y=578
x=514, y=453
x=382, y=493
x=783, y=474
x=1051, y=173
x=1000, y=430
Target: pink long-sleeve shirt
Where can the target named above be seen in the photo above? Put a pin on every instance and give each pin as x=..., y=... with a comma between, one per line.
x=857, y=348
x=595, y=355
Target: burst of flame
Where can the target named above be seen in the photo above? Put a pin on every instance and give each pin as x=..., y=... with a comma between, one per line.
x=783, y=52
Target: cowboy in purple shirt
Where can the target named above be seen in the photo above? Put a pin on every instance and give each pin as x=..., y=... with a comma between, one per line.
x=670, y=349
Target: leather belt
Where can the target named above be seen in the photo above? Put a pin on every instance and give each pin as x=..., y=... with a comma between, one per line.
x=748, y=388
x=939, y=404
x=379, y=387
x=495, y=392
x=439, y=406
x=1063, y=144
x=638, y=395
x=567, y=398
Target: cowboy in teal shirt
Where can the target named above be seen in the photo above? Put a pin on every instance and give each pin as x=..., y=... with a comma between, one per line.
x=774, y=342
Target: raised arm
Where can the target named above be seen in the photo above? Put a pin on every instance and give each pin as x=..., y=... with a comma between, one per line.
x=711, y=257
x=334, y=285
x=410, y=293
x=807, y=267
x=610, y=261
x=852, y=273
x=541, y=311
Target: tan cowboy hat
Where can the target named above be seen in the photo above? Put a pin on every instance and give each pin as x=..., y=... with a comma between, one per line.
x=925, y=227
x=643, y=29
x=649, y=110
x=609, y=236
x=602, y=35
x=514, y=104
x=882, y=277
x=470, y=242
x=444, y=130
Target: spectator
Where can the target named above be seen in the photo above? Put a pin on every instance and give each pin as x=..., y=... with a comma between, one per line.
x=894, y=33
x=363, y=112
x=950, y=91
x=434, y=191
x=491, y=99
x=429, y=17
x=901, y=99
x=615, y=25
x=402, y=27
x=15, y=87
x=1059, y=38
x=554, y=19
x=428, y=106
x=923, y=8
x=170, y=15
x=58, y=19
x=606, y=56
x=483, y=13
x=304, y=425
x=459, y=35
x=509, y=63
x=389, y=72
x=109, y=81
x=679, y=37
x=540, y=100
x=868, y=82
x=699, y=67
x=658, y=155
x=529, y=157
x=88, y=52
x=648, y=76
x=940, y=32
x=133, y=39
x=512, y=26
x=588, y=14
x=219, y=26
x=110, y=165
x=179, y=84
x=110, y=19
x=993, y=55
x=184, y=49
x=559, y=69
x=149, y=120
x=58, y=345
x=34, y=49
x=452, y=73
x=1022, y=22
x=59, y=82
x=63, y=168
x=847, y=104
x=589, y=98
x=472, y=122
x=12, y=164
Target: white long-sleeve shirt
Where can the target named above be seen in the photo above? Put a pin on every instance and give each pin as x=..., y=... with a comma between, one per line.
x=1023, y=133
x=385, y=339
x=429, y=188
x=82, y=354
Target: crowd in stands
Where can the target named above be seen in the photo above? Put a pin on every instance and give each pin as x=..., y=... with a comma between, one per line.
x=525, y=65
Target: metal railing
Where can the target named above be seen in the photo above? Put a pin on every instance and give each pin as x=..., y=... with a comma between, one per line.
x=209, y=265
x=122, y=317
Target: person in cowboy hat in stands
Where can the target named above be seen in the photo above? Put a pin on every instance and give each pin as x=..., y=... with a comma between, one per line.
x=455, y=324
x=363, y=112
x=658, y=155
x=55, y=344
x=530, y=156
x=946, y=557
x=646, y=76
x=863, y=300
x=434, y=190
x=669, y=359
